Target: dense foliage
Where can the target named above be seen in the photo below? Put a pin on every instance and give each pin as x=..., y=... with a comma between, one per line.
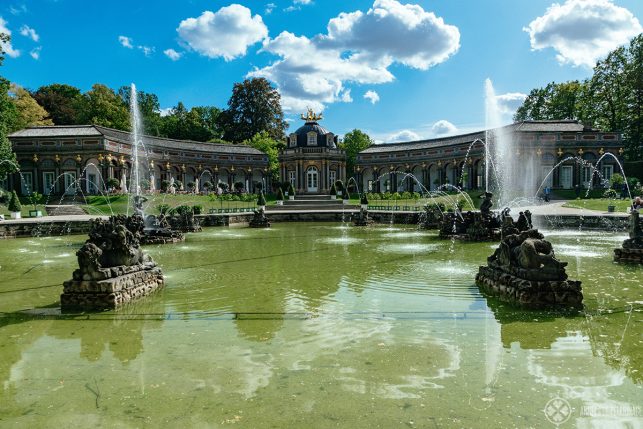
x=354, y=142
x=611, y=99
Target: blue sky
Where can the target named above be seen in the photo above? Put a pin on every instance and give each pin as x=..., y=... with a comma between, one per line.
x=396, y=70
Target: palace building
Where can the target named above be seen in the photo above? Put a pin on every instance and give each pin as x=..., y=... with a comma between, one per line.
x=71, y=159
x=442, y=161
x=311, y=161
x=81, y=158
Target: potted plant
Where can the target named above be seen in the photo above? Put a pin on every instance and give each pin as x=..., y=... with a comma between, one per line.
x=207, y=186
x=364, y=201
x=291, y=192
x=333, y=192
x=261, y=202
x=34, y=199
x=611, y=195
x=113, y=184
x=280, y=197
x=14, y=206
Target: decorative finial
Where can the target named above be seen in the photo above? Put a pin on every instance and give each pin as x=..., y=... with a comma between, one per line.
x=311, y=116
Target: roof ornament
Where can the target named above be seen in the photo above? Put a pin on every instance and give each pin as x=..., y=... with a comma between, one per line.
x=311, y=116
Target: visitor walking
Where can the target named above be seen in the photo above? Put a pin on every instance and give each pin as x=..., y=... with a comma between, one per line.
x=547, y=192
x=637, y=204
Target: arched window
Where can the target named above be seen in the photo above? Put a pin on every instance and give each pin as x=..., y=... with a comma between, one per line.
x=312, y=138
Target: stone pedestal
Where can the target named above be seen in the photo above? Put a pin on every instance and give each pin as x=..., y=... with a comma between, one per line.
x=109, y=288
x=259, y=220
x=630, y=256
x=529, y=293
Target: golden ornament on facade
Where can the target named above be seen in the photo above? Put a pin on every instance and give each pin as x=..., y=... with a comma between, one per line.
x=601, y=151
x=183, y=167
x=78, y=158
x=57, y=158
x=560, y=152
x=152, y=164
x=121, y=160
x=581, y=151
x=232, y=168
x=539, y=152
x=35, y=158
x=109, y=157
x=620, y=151
x=100, y=157
x=167, y=165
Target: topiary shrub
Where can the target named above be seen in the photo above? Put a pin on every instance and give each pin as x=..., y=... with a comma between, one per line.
x=363, y=200
x=191, y=185
x=406, y=195
x=34, y=199
x=261, y=201
x=207, y=185
x=280, y=195
x=181, y=210
x=333, y=190
x=163, y=208
x=14, y=203
x=291, y=190
x=165, y=185
x=339, y=186
x=197, y=210
x=610, y=194
x=113, y=183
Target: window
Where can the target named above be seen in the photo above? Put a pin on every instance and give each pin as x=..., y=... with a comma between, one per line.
x=47, y=183
x=606, y=172
x=566, y=176
x=293, y=178
x=548, y=176
x=332, y=176
x=26, y=183
x=329, y=140
x=312, y=139
x=293, y=140
x=587, y=177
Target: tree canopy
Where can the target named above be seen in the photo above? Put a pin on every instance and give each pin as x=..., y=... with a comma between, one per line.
x=263, y=142
x=63, y=102
x=611, y=99
x=354, y=142
x=254, y=106
x=28, y=112
x=8, y=116
x=102, y=106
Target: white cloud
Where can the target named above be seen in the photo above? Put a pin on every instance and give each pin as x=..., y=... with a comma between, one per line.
x=27, y=31
x=443, y=127
x=172, y=54
x=147, y=50
x=126, y=42
x=227, y=33
x=302, y=1
x=372, y=96
x=346, y=96
x=510, y=102
x=358, y=48
x=166, y=111
x=269, y=8
x=35, y=53
x=403, y=136
x=7, y=47
x=583, y=31
x=17, y=10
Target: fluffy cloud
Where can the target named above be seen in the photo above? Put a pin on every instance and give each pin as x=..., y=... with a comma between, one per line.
x=226, y=33
x=510, y=102
x=403, y=136
x=172, y=54
x=358, y=48
x=35, y=53
x=126, y=42
x=583, y=31
x=147, y=50
x=17, y=10
x=29, y=32
x=372, y=96
x=443, y=127
x=7, y=47
x=269, y=8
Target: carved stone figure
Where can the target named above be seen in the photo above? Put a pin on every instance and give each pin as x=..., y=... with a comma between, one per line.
x=259, y=219
x=524, y=270
x=632, y=248
x=112, y=268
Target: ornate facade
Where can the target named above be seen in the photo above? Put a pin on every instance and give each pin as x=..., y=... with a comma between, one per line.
x=311, y=161
x=442, y=161
x=71, y=159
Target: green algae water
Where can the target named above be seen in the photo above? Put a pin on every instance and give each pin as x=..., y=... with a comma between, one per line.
x=320, y=326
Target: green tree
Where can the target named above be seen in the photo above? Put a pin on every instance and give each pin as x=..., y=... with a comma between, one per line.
x=198, y=124
x=29, y=112
x=63, y=102
x=149, y=106
x=555, y=101
x=263, y=142
x=7, y=116
x=634, y=81
x=254, y=106
x=102, y=106
x=354, y=142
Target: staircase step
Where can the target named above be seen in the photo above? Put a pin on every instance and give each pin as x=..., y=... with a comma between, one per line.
x=64, y=210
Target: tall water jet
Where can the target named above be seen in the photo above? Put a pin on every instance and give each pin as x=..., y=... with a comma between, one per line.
x=511, y=172
x=137, y=132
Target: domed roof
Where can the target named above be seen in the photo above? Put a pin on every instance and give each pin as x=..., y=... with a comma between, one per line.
x=311, y=125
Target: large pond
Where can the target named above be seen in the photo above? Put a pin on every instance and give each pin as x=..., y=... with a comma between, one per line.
x=318, y=325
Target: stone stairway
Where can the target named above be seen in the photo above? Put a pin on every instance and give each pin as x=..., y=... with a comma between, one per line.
x=311, y=202
x=64, y=210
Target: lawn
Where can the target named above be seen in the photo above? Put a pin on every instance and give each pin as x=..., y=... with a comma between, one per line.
x=599, y=204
